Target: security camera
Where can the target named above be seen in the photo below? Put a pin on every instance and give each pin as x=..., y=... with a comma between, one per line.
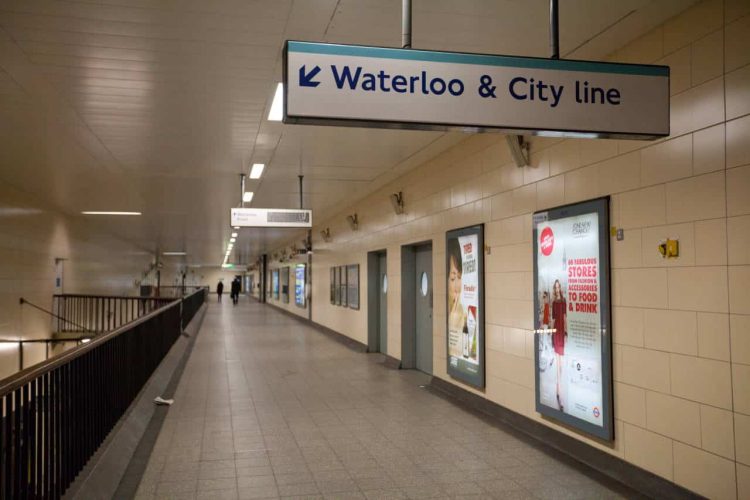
x=353, y=221
x=519, y=149
x=397, y=200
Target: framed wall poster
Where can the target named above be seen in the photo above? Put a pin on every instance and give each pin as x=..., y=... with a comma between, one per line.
x=332, y=284
x=352, y=282
x=275, y=283
x=342, y=277
x=337, y=285
x=572, y=325
x=299, y=285
x=285, y=285
x=464, y=271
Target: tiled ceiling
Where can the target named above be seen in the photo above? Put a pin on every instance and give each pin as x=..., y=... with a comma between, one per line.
x=159, y=105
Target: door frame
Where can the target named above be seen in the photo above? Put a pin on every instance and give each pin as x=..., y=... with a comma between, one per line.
x=373, y=296
x=409, y=303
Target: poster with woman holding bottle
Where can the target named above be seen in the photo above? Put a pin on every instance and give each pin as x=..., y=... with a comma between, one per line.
x=465, y=314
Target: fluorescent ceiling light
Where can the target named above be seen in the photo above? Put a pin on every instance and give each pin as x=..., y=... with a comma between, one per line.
x=174, y=253
x=236, y=227
x=257, y=170
x=247, y=197
x=232, y=240
x=110, y=213
x=234, y=235
x=277, y=111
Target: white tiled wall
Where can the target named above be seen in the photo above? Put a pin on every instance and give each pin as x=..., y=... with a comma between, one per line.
x=681, y=327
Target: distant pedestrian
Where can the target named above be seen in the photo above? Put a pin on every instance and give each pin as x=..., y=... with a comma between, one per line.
x=236, y=291
x=220, y=289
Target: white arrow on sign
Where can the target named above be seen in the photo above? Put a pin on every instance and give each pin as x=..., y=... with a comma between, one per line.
x=330, y=84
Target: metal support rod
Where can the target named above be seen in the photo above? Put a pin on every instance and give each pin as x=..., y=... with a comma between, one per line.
x=406, y=24
x=300, y=190
x=554, y=30
x=242, y=190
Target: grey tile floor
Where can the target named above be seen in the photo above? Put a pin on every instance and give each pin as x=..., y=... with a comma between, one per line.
x=269, y=408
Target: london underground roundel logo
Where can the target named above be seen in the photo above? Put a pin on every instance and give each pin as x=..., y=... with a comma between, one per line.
x=546, y=241
x=596, y=412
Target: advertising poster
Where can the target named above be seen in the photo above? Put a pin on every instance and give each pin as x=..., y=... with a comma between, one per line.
x=275, y=283
x=352, y=281
x=572, y=316
x=343, y=286
x=285, y=285
x=333, y=285
x=299, y=285
x=464, y=270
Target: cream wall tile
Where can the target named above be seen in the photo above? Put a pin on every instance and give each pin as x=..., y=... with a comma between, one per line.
x=696, y=198
x=524, y=199
x=643, y=287
x=645, y=368
x=596, y=151
x=648, y=450
x=628, y=326
x=510, y=176
x=679, y=70
x=502, y=205
x=704, y=473
x=698, y=288
x=738, y=186
x=711, y=242
x=713, y=336
x=743, y=481
x=701, y=380
x=564, y=157
x=537, y=169
x=708, y=150
x=734, y=9
x=672, y=331
x=654, y=236
x=738, y=236
x=550, y=192
x=511, y=285
x=741, y=382
x=673, y=417
x=738, y=92
x=717, y=435
x=742, y=437
x=622, y=173
x=582, y=184
x=644, y=49
x=739, y=291
x=630, y=404
x=707, y=54
x=627, y=252
x=697, y=108
x=645, y=207
x=737, y=145
x=514, y=342
x=667, y=161
x=737, y=39
x=693, y=24
x=739, y=326
x=494, y=337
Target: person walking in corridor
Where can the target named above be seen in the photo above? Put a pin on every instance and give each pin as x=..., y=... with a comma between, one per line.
x=236, y=291
x=220, y=289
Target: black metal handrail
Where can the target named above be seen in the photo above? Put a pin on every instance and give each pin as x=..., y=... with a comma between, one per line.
x=77, y=313
x=57, y=413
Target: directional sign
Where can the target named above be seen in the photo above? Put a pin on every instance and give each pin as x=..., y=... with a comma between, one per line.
x=270, y=217
x=330, y=84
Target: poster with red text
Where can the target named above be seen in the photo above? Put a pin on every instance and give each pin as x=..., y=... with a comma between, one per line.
x=573, y=348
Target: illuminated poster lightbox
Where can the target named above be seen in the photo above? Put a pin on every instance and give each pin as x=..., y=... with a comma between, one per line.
x=464, y=270
x=572, y=340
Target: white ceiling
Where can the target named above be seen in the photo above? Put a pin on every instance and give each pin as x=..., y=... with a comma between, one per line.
x=158, y=105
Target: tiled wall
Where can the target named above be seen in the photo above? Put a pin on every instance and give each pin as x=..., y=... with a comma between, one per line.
x=681, y=327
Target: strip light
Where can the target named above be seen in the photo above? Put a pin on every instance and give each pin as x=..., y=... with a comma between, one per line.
x=277, y=111
x=174, y=253
x=247, y=197
x=110, y=213
x=257, y=170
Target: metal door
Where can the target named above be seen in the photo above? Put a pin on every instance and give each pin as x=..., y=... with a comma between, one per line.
x=382, y=303
x=423, y=261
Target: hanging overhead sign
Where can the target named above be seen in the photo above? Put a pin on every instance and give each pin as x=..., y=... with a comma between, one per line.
x=270, y=217
x=331, y=84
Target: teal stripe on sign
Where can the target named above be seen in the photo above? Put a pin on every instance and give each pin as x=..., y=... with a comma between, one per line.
x=479, y=59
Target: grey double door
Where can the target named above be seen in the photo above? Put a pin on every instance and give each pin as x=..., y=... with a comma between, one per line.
x=382, y=303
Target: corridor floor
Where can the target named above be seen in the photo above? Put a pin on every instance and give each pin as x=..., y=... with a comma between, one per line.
x=268, y=407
